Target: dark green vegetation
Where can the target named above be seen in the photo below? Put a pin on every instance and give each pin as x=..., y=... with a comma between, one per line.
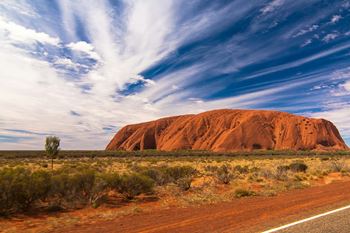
x=244, y=193
x=186, y=153
x=66, y=188
x=73, y=187
x=52, y=145
x=93, y=178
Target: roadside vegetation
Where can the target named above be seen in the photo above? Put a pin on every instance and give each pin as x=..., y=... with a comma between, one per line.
x=33, y=183
x=183, y=153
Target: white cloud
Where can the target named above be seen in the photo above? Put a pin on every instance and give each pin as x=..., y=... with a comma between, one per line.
x=339, y=116
x=346, y=86
x=19, y=6
x=272, y=6
x=84, y=47
x=342, y=74
x=127, y=43
x=148, y=82
x=336, y=18
x=68, y=63
x=304, y=31
x=307, y=42
x=330, y=36
x=18, y=33
x=299, y=62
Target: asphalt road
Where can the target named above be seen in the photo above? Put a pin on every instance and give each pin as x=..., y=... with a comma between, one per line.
x=338, y=222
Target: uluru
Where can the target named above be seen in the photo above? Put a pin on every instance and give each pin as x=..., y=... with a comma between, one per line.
x=230, y=130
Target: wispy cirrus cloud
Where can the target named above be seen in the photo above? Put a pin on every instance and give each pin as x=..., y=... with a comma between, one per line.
x=18, y=34
x=88, y=68
x=271, y=6
x=84, y=47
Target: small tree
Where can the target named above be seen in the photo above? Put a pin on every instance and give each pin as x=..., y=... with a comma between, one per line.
x=52, y=147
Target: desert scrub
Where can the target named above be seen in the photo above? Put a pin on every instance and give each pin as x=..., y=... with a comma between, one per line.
x=338, y=165
x=241, y=169
x=224, y=175
x=244, y=193
x=298, y=167
x=72, y=189
x=281, y=172
x=134, y=184
x=157, y=175
x=67, y=188
x=267, y=174
x=179, y=172
x=185, y=183
x=165, y=175
x=210, y=169
x=21, y=188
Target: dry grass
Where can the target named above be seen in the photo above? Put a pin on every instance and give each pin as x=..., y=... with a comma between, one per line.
x=256, y=175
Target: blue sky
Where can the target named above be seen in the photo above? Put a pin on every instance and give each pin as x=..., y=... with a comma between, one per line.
x=83, y=69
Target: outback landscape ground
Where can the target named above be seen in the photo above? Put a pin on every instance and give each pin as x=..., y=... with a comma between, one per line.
x=87, y=190
x=186, y=116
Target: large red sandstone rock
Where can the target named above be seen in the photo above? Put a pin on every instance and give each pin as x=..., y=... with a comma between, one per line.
x=230, y=130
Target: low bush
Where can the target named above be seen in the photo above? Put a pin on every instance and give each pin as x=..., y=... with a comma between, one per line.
x=338, y=165
x=224, y=174
x=20, y=188
x=185, y=183
x=267, y=174
x=244, y=193
x=241, y=169
x=298, y=167
x=159, y=177
x=164, y=175
x=179, y=172
x=134, y=184
x=283, y=168
x=281, y=172
x=210, y=168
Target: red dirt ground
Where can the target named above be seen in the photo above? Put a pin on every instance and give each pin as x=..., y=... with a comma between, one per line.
x=242, y=215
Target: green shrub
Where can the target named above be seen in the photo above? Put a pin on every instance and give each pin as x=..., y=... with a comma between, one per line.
x=211, y=168
x=98, y=192
x=241, y=170
x=21, y=188
x=184, y=184
x=85, y=186
x=134, y=184
x=298, y=167
x=283, y=168
x=159, y=176
x=338, y=165
x=281, y=172
x=267, y=174
x=179, y=172
x=224, y=174
x=113, y=180
x=164, y=175
x=64, y=189
x=244, y=193
x=7, y=200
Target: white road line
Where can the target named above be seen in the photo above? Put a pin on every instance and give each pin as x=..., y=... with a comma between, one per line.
x=306, y=219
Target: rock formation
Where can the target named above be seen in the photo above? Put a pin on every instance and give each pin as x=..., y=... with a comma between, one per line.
x=230, y=130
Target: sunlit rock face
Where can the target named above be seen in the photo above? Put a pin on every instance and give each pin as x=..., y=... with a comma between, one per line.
x=230, y=130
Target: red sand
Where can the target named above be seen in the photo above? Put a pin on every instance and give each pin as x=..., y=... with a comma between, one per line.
x=241, y=215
